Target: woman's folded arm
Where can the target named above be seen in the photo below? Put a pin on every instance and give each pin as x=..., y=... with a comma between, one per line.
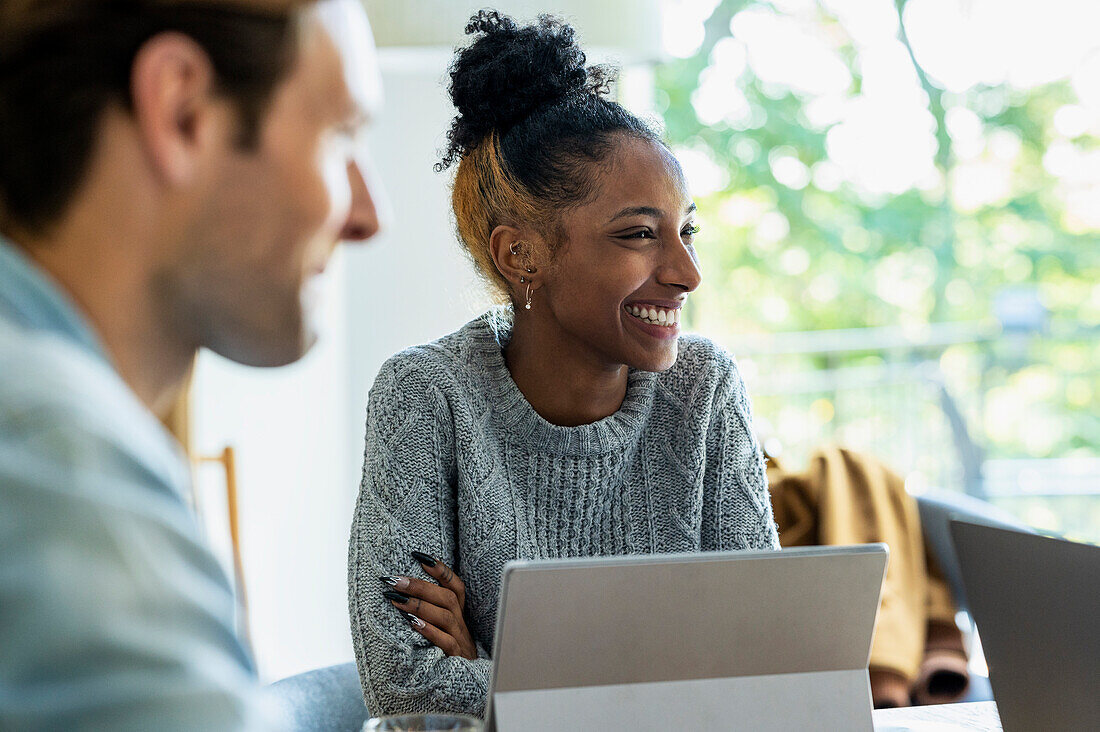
x=406, y=504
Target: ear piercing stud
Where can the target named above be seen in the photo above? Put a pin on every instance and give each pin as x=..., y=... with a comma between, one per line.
x=523, y=280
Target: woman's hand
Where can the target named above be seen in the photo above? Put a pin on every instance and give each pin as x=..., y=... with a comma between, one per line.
x=435, y=611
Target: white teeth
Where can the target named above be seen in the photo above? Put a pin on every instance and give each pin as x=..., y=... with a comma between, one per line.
x=655, y=316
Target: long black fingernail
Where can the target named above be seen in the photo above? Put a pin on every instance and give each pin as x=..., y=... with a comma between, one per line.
x=399, y=597
x=413, y=620
x=389, y=579
x=426, y=559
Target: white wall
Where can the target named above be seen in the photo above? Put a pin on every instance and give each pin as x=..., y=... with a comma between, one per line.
x=412, y=284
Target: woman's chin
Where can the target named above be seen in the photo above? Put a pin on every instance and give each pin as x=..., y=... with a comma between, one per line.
x=655, y=360
x=652, y=347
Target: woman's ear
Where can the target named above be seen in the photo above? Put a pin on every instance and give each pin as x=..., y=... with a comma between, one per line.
x=515, y=256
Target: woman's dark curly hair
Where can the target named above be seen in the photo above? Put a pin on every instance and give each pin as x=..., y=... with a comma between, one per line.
x=533, y=125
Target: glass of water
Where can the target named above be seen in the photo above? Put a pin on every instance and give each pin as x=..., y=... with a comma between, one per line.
x=424, y=723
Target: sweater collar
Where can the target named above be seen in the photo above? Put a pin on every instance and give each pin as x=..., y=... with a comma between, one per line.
x=490, y=334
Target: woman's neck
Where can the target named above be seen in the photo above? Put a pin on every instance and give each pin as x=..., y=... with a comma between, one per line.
x=563, y=382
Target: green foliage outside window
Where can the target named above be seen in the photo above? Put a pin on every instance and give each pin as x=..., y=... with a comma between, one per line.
x=999, y=237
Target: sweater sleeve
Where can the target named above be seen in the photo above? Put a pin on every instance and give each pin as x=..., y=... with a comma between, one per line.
x=737, y=509
x=406, y=502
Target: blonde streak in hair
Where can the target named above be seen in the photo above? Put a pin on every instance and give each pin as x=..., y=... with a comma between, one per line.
x=472, y=219
x=486, y=194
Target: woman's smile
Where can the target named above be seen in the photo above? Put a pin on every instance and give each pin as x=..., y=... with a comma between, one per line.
x=658, y=321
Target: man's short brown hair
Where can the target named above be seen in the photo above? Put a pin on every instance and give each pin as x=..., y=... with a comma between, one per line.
x=64, y=62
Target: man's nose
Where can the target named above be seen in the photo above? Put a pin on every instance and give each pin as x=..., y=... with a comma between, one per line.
x=362, y=222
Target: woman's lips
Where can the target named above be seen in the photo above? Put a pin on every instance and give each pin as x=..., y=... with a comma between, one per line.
x=648, y=320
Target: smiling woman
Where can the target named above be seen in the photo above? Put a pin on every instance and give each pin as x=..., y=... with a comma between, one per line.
x=576, y=420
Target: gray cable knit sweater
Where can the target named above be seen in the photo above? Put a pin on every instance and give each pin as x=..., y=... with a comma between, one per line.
x=458, y=465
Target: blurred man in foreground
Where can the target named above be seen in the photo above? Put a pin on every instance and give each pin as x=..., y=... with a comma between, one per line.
x=172, y=174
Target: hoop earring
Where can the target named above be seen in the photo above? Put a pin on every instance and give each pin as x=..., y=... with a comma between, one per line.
x=522, y=280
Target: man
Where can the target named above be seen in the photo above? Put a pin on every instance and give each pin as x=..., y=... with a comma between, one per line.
x=172, y=173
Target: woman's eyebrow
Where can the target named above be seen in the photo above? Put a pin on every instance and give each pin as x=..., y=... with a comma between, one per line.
x=646, y=211
x=637, y=211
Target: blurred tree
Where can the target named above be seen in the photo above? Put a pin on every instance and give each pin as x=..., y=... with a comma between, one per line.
x=810, y=221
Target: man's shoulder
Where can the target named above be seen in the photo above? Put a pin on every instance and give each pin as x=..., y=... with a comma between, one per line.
x=67, y=404
x=108, y=581
x=43, y=375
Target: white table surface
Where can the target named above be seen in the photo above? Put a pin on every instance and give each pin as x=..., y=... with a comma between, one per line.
x=980, y=716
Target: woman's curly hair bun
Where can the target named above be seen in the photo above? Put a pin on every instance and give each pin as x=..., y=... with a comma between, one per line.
x=509, y=71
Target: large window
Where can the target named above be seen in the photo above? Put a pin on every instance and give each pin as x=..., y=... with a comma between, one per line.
x=900, y=207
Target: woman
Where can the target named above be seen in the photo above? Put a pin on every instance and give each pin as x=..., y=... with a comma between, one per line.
x=579, y=421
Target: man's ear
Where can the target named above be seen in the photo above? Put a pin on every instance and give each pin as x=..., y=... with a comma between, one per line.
x=177, y=114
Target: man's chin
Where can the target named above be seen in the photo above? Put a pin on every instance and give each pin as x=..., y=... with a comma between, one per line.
x=306, y=343
x=271, y=352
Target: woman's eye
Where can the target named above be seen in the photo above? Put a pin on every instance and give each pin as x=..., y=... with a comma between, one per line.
x=643, y=234
x=690, y=231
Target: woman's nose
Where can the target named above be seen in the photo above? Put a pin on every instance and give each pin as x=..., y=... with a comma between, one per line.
x=681, y=267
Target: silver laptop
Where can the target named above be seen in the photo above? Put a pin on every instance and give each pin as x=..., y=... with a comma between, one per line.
x=739, y=640
x=1036, y=602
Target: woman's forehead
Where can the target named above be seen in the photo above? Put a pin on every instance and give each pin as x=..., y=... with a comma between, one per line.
x=642, y=174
